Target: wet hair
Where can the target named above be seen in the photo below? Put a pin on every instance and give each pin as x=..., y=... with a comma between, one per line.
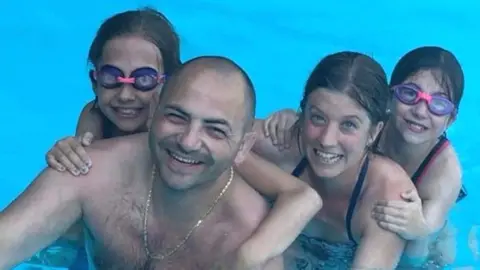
x=443, y=64
x=221, y=65
x=146, y=23
x=356, y=75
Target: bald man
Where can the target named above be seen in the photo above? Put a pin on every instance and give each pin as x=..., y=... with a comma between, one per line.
x=168, y=199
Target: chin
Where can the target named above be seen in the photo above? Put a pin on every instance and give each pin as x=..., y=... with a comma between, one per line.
x=179, y=185
x=327, y=172
x=412, y=138
x=175, y=181
x=129, y=127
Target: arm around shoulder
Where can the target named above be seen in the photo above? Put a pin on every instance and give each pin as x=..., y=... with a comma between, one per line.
x=41, y=214
x=295, y=205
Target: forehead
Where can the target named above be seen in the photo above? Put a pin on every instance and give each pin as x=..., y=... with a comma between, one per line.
x=428, y=81
x=211, y=95
x=131, y=52
x=335, y=104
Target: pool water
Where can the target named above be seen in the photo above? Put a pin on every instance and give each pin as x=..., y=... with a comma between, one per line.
x=44, y=72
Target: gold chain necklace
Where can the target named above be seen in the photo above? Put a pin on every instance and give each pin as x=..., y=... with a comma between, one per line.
x=185, y=239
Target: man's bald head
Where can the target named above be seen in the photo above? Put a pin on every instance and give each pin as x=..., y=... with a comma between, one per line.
x=223, y=66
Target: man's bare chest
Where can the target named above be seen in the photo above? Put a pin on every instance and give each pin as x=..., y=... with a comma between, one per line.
x=119, y=239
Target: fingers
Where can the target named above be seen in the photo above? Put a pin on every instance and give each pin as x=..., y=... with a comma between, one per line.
x=391, y=227
x=389, y=211
x=271, y=125
x=280, y=133
x=53, y=163
x=266, y=125
x=284, y=130
x=70, y=154
x=393, y=219
x=87, y=139
x=411, y=196
x=65, y=161
x=393, y=204
x=80, y=158
x=277, y=127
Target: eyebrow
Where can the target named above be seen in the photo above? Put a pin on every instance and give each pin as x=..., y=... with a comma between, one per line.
x=211, y=121
x=315, y=108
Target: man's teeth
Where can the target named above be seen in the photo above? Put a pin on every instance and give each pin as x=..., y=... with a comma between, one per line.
x=183, y=159
x=327, y=158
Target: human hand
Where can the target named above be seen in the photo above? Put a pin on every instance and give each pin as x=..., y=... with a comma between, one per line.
x=278, y=127
x=69, y=154
x=402, y=217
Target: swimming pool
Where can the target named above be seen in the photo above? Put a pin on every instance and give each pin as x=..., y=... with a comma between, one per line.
x=44, y=48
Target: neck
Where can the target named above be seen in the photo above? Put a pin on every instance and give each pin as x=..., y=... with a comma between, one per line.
x=119, y=133
x=401, y=151
x=185, y=204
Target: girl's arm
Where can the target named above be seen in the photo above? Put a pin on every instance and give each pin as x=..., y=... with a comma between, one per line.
x=295, y=203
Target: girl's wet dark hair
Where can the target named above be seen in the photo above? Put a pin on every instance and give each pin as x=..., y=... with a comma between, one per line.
x=356, y=75
x=147, y=23
x=443, y=64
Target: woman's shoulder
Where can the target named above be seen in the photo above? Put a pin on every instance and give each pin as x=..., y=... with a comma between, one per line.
x=382, y=166
x=387, y=177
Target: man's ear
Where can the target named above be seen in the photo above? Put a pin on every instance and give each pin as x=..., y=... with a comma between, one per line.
x=247, y=144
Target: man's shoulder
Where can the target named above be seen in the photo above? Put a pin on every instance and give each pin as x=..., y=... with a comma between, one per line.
x=248, y=207
x=111, y=156
x=116, y=149
x=117, y=144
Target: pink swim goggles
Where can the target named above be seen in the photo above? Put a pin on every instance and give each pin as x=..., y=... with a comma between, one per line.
x=411, y=94
x=143, y=79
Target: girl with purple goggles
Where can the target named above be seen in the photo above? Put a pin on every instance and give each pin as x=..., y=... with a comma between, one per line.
x=411, y=94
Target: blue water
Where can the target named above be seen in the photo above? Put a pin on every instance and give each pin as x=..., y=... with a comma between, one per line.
x=44, y=81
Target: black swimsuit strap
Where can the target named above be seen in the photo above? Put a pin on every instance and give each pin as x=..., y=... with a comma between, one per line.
x=428, y=159
x=355, y=194
x=300, y=167
x=354, y=198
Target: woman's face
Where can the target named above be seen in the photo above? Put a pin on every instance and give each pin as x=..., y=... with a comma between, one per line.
x=128, y=105
x=416, y=123
x=336, y=132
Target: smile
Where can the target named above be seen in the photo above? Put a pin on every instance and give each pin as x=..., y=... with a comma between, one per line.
x=128, y=112
x=326, y=157
x=414, y=126
x=183, y=159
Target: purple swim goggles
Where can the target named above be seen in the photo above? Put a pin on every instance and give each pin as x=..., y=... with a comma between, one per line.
x=143, y=79
x=411, y=94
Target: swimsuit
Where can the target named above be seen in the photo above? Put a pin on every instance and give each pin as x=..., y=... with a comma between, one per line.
x=417, y=177
x=312, y=253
